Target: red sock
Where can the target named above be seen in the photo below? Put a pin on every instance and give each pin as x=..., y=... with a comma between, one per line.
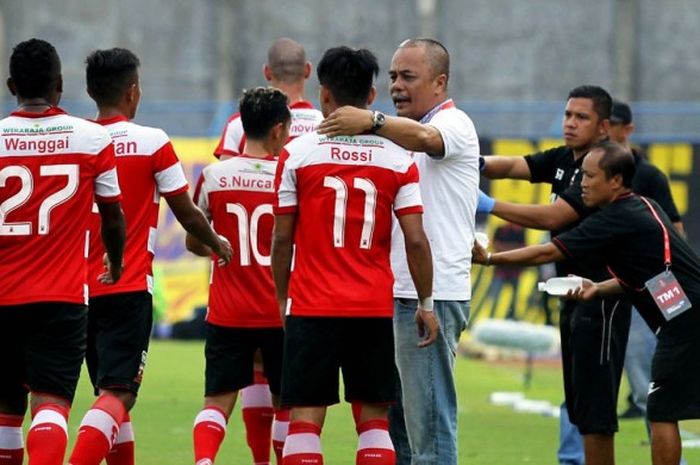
x=356, y=411
x=303, y=444
x=48, y=435
x=256, y=407
x=209, y=431
x=374, y=445
x=98, y=431
x=280, y=428
x=122, y=452
x=11, y=443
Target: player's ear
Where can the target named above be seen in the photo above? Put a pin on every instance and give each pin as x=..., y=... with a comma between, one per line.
x=372, y=95
x=11, y=86
x=267, y=72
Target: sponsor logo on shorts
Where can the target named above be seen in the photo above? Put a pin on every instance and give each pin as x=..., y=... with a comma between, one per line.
x=139, y=375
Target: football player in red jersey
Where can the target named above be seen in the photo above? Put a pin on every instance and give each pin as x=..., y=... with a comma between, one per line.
x=52, y=168
x=120, y=316
x=237, y=194
x=336, y=198
x=287, y=69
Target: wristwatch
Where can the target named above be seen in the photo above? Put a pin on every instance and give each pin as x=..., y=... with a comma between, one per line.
x=378, y=120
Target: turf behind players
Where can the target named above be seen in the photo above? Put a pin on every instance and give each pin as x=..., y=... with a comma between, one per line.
x=120, y=316
x=52, y=168
x=335, y=202
x=243, y=317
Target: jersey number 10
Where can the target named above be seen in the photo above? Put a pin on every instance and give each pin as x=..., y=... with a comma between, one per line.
x=248, y=231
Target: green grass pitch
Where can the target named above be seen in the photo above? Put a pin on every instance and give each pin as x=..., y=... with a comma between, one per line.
x=171, y=396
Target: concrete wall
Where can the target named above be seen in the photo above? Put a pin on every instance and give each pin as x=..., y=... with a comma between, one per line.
x=502, y=50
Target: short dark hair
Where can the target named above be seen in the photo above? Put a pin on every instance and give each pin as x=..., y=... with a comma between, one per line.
x=261, y=109
x=436, y=53
x=109, y=73
x=602, y=101
x=34, y=68
x=348, y=74
x=616, y=160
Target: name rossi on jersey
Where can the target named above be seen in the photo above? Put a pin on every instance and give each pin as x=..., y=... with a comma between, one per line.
x=350, y=155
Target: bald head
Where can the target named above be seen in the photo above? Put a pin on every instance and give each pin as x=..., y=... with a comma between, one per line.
x=286, y=60
x=435, y=53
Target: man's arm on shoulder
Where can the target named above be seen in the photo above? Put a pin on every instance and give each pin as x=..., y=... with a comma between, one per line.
x=506, y=167
x=281, y=257
x=548, y=217
x=405, y=132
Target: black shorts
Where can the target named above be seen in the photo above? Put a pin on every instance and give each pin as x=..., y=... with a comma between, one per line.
x=42, y=346
x=593, y=342
x=316, y=348
x=119, y=328
x=230, y=352
x=674, y=392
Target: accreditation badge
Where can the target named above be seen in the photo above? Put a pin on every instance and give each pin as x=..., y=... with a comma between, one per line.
x=668, y=294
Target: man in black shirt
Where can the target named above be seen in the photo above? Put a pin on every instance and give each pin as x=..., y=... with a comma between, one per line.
x=654, y=266
x=594, y=334
x=649, y=182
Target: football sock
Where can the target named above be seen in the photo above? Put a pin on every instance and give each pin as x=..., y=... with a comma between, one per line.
x=356, y=411
x=122, y=452
x=98, y=431
x=374, y=445
x=256, y=407
x=48, y=435
x=303, y=444
x=209, y=431
x=280, y=427
x=11, y=442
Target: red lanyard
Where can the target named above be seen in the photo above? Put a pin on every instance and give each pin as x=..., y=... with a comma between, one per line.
x=667, y=246
x=667, y=242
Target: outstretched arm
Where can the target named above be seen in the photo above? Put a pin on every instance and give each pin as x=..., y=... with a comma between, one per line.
x=530, y=255
x=548, y=217
x=405, y=132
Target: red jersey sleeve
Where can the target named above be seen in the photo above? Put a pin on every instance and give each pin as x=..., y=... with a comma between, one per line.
x=285, y=186
x=408, y=199
x=106, y=181
x=167, y=171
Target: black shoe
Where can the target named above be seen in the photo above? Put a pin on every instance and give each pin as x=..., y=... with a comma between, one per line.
x=632, y=412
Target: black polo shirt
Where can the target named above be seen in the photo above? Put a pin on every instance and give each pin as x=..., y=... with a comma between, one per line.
x=558, y=167
x=649, y=181
x=630, y=239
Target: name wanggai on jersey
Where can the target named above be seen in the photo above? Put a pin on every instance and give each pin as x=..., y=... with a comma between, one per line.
x=52, y=168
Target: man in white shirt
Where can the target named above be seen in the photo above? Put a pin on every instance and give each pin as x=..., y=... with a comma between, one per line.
x=446, y=151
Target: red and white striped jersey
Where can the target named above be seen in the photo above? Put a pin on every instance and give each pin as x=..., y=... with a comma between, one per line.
x=52, y=168
x=305, y=118
x=342, y=191
x=147, y=168
x=237, y=194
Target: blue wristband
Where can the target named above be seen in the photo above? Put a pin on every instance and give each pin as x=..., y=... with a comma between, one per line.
x=485, y=203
